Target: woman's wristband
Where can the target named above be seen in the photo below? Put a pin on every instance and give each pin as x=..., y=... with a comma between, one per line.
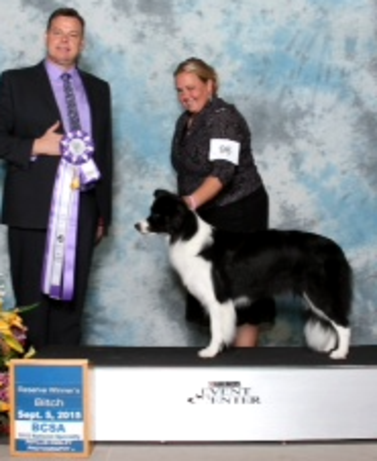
x=192, y=202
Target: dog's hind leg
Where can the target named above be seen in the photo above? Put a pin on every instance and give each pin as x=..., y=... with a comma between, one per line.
x=344, y=335
x=333, y=339
x=222, y=327
x=319, y=335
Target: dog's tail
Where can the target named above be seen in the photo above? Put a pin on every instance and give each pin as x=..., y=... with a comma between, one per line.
x=320, y=336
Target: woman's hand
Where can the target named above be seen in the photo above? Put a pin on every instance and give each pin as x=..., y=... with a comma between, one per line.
x=211, y=187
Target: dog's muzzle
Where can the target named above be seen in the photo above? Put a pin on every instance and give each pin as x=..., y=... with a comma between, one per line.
x=143, y=227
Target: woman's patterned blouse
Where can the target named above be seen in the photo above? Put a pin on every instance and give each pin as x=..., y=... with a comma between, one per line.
x=191, y=152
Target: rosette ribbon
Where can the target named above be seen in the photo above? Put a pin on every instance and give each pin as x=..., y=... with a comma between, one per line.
x=76, y=173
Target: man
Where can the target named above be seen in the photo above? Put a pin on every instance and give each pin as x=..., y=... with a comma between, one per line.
x=33, y=120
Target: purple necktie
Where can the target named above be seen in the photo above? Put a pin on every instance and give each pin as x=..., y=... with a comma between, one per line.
x=73, y=114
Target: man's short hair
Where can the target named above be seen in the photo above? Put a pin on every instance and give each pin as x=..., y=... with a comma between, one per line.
x=69, y=12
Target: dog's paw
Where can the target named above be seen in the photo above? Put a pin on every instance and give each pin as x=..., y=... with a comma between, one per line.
x=208, y=352
x=338, y=355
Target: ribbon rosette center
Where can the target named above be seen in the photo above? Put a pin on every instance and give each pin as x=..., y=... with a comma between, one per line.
x=77, y=147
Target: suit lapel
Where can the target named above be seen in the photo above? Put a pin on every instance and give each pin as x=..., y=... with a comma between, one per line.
x=45, y=91
x=91, y=95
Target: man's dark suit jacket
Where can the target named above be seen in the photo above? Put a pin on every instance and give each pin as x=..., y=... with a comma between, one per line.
x=27, y=109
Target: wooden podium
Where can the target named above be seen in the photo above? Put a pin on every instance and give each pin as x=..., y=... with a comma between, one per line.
x=243, y=395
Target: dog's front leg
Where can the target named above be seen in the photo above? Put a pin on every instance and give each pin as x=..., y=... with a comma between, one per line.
x=222, y=328
x=216, y=344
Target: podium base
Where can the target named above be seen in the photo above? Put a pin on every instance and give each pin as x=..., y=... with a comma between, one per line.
x=243, y=395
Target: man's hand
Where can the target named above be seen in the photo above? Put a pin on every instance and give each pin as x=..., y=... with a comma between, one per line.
x=49, y=143
x=101, y=232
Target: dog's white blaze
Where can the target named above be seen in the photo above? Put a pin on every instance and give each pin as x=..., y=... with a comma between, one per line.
x=195, y=273
x=324, y=339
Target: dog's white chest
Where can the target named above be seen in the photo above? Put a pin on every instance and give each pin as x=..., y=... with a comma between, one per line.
x=186, y=258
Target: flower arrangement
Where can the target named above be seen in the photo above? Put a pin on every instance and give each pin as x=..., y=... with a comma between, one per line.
x=12, y=345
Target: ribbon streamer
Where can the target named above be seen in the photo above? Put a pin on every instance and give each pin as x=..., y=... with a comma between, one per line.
x=77, y=172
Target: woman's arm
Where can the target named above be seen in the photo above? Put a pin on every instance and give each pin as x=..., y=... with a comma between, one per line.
x=211, y=187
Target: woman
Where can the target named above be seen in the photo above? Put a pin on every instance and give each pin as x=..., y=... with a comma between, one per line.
x=217, y=176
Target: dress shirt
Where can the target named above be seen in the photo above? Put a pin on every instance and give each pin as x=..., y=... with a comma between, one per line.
x=54, y=73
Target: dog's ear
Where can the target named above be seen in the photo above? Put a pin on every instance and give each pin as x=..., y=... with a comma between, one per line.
x=161, y=193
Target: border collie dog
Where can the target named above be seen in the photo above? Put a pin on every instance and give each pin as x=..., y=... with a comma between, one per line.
x=228, y=271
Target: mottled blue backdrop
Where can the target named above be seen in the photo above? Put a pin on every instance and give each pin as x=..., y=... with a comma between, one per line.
x=304, y=74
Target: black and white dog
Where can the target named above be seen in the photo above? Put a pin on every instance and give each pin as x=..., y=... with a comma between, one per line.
x=225, y=275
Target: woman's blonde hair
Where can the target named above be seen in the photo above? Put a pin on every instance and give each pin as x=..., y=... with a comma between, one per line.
x=201, y=69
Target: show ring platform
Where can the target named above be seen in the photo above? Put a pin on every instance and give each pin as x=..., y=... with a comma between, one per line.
x=262, y=394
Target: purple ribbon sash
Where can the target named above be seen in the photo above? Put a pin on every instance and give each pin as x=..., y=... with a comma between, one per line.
x=77, y=172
